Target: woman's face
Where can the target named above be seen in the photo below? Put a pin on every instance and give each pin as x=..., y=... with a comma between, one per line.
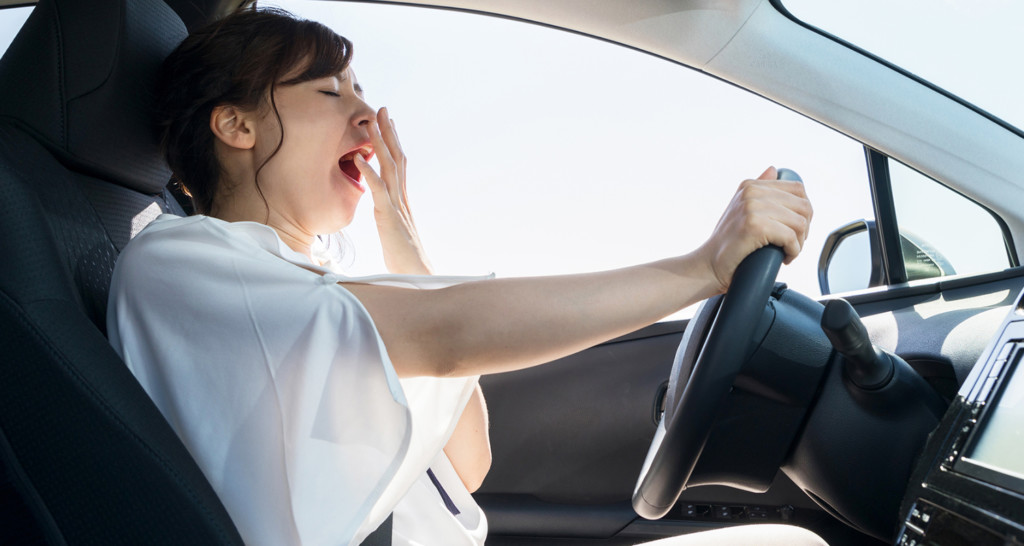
x=312, y=182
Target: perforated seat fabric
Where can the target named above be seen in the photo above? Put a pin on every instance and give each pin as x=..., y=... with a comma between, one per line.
x=86, y=458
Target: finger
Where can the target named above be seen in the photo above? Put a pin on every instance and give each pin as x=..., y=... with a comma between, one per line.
x=796, y=188
x=378, y=189
x=788, y=194
x=793, y=198
x=390, y=137
x=769, y=174
x=395, y=127
x=775, y=224
x=793, y=244
x=794, y=221
x=790, y=186
x=388, y=170
x=783, y=236
x=404, y=163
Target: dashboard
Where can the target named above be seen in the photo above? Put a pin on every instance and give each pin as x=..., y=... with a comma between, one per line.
x=968, y=485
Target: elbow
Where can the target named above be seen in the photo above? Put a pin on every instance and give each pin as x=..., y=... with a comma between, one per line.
x=474, y=479
x=446, y=367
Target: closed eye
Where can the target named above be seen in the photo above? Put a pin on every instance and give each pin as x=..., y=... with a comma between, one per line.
x=330, y=93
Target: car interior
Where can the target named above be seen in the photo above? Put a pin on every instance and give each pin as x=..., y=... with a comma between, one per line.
x=868, y=419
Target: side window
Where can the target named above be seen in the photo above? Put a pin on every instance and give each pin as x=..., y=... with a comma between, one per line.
x=11, y=20
x=942, y=232
x=534, y=151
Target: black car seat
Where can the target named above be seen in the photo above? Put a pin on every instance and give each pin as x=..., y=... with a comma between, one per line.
x=85, y=456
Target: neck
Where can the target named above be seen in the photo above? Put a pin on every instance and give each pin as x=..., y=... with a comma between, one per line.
x=243, y=203
x=296, y=239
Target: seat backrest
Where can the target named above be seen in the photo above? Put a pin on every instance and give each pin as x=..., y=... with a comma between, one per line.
x=85, y=455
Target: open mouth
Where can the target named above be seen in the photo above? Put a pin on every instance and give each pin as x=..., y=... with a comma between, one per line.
x=348, y=165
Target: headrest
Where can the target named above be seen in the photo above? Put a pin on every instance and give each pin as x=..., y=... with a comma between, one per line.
x=79, y=77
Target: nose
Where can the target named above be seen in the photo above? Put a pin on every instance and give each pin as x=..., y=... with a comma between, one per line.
x=363, y=114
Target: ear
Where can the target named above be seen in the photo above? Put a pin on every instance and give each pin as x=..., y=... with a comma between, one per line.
x=233, y=126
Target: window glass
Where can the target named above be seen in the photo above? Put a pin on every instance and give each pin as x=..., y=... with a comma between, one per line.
x=536, y=151
x=943, y=232
x=11, y=20
x=969, y=48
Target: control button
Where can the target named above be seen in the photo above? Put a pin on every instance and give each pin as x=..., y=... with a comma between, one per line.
x=910, y=538
x=917, y=521
x=723, y=512
x=1004, y=353
x=986, y=388
x=786, y=512
x=997, y=368
x=690, y=511
x=757, y=512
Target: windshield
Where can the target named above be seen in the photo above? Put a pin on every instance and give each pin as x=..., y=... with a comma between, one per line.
x=969, y=48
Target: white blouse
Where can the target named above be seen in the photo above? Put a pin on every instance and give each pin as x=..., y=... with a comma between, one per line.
x=276, y=380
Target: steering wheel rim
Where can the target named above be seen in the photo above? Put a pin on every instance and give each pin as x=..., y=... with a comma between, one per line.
x=678, y=443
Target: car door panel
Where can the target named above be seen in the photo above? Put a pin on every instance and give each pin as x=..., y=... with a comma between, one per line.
x=569, y=437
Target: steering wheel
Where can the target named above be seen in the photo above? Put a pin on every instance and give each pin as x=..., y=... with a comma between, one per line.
x=691, y=405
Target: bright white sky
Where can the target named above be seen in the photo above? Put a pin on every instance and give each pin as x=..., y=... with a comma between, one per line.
x=535, y=151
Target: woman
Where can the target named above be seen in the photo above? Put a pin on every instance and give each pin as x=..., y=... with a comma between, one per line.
x=318, y=404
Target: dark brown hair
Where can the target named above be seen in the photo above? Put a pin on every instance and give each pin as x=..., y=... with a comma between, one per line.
x=237, y=61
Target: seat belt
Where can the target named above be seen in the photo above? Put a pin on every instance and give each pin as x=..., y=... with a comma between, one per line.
x=382, y=535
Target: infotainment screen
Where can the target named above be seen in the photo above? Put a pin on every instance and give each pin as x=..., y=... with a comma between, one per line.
x=996, y=452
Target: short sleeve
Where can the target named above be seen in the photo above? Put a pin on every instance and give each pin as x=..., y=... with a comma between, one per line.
x=276, y=381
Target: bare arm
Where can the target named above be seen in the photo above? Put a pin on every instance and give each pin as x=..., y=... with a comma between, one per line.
x=469, y=448
x=508, y=324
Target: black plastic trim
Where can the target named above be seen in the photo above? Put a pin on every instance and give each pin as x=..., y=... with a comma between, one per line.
x=1011, y=247
x=931, y=286
x=891, y=292
x=894, y=270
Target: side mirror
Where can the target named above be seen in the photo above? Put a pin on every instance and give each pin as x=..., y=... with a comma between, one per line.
x=852, y=259
x=922, y=260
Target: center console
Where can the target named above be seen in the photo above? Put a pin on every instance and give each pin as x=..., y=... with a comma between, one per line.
x=968, y=486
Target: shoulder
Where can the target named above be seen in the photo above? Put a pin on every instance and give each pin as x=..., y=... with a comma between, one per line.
x=173, y=247
x=168, y=234
x=177, y=242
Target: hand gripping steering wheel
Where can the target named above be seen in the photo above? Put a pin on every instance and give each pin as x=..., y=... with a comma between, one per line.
x=691, y=405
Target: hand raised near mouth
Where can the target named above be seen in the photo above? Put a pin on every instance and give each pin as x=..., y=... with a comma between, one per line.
x=403, y=252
